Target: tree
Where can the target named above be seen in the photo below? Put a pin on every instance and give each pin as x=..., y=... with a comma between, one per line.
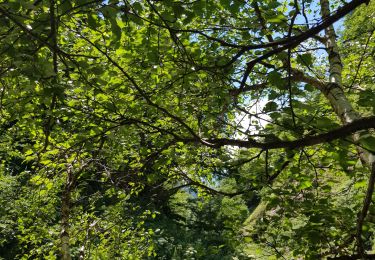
x=124, y=100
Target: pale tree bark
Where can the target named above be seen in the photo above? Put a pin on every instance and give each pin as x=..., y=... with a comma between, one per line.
x=334, y=92
x=65, y=216
x=73, y=170
x=66, y=194
x=334, y=89
x=344, y=110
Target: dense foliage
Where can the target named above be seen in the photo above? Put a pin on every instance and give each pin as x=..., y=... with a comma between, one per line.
x=187, y=129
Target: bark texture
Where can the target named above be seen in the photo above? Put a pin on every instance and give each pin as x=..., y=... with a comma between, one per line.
x=344, y=110
x=334, y=89
x=65, y=215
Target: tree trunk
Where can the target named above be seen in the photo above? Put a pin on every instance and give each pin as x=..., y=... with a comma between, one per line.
x=65, y=215
x=344, y=110
x=334, y=90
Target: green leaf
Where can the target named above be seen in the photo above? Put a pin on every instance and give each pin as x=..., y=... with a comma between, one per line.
x=270, y=106
x=277, y=19
x=305, y=59
x=178, y=10
x=65, y=6
x=305, y=184
x=309, y=88
x=368, y=142
x=360, y=184
x=199, y=7
x=326, y=123
x=137, y=20
x=109, y=12
x=275, y=78
x=273, y=94
x=367, y=98
x=14, y=5
x=92, y=21
x=138, y=7
x=115, y=28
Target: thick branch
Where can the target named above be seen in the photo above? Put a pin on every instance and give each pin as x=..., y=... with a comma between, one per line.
x=294, y=41
x=360, y=124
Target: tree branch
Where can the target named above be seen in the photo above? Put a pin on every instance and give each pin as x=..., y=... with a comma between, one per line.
x=294, y=41
x=366, y=205
x=357, y=125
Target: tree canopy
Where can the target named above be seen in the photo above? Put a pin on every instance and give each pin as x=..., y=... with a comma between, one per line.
x=187, y=129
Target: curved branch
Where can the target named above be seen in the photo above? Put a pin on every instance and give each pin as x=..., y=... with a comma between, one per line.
x=294, y=41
